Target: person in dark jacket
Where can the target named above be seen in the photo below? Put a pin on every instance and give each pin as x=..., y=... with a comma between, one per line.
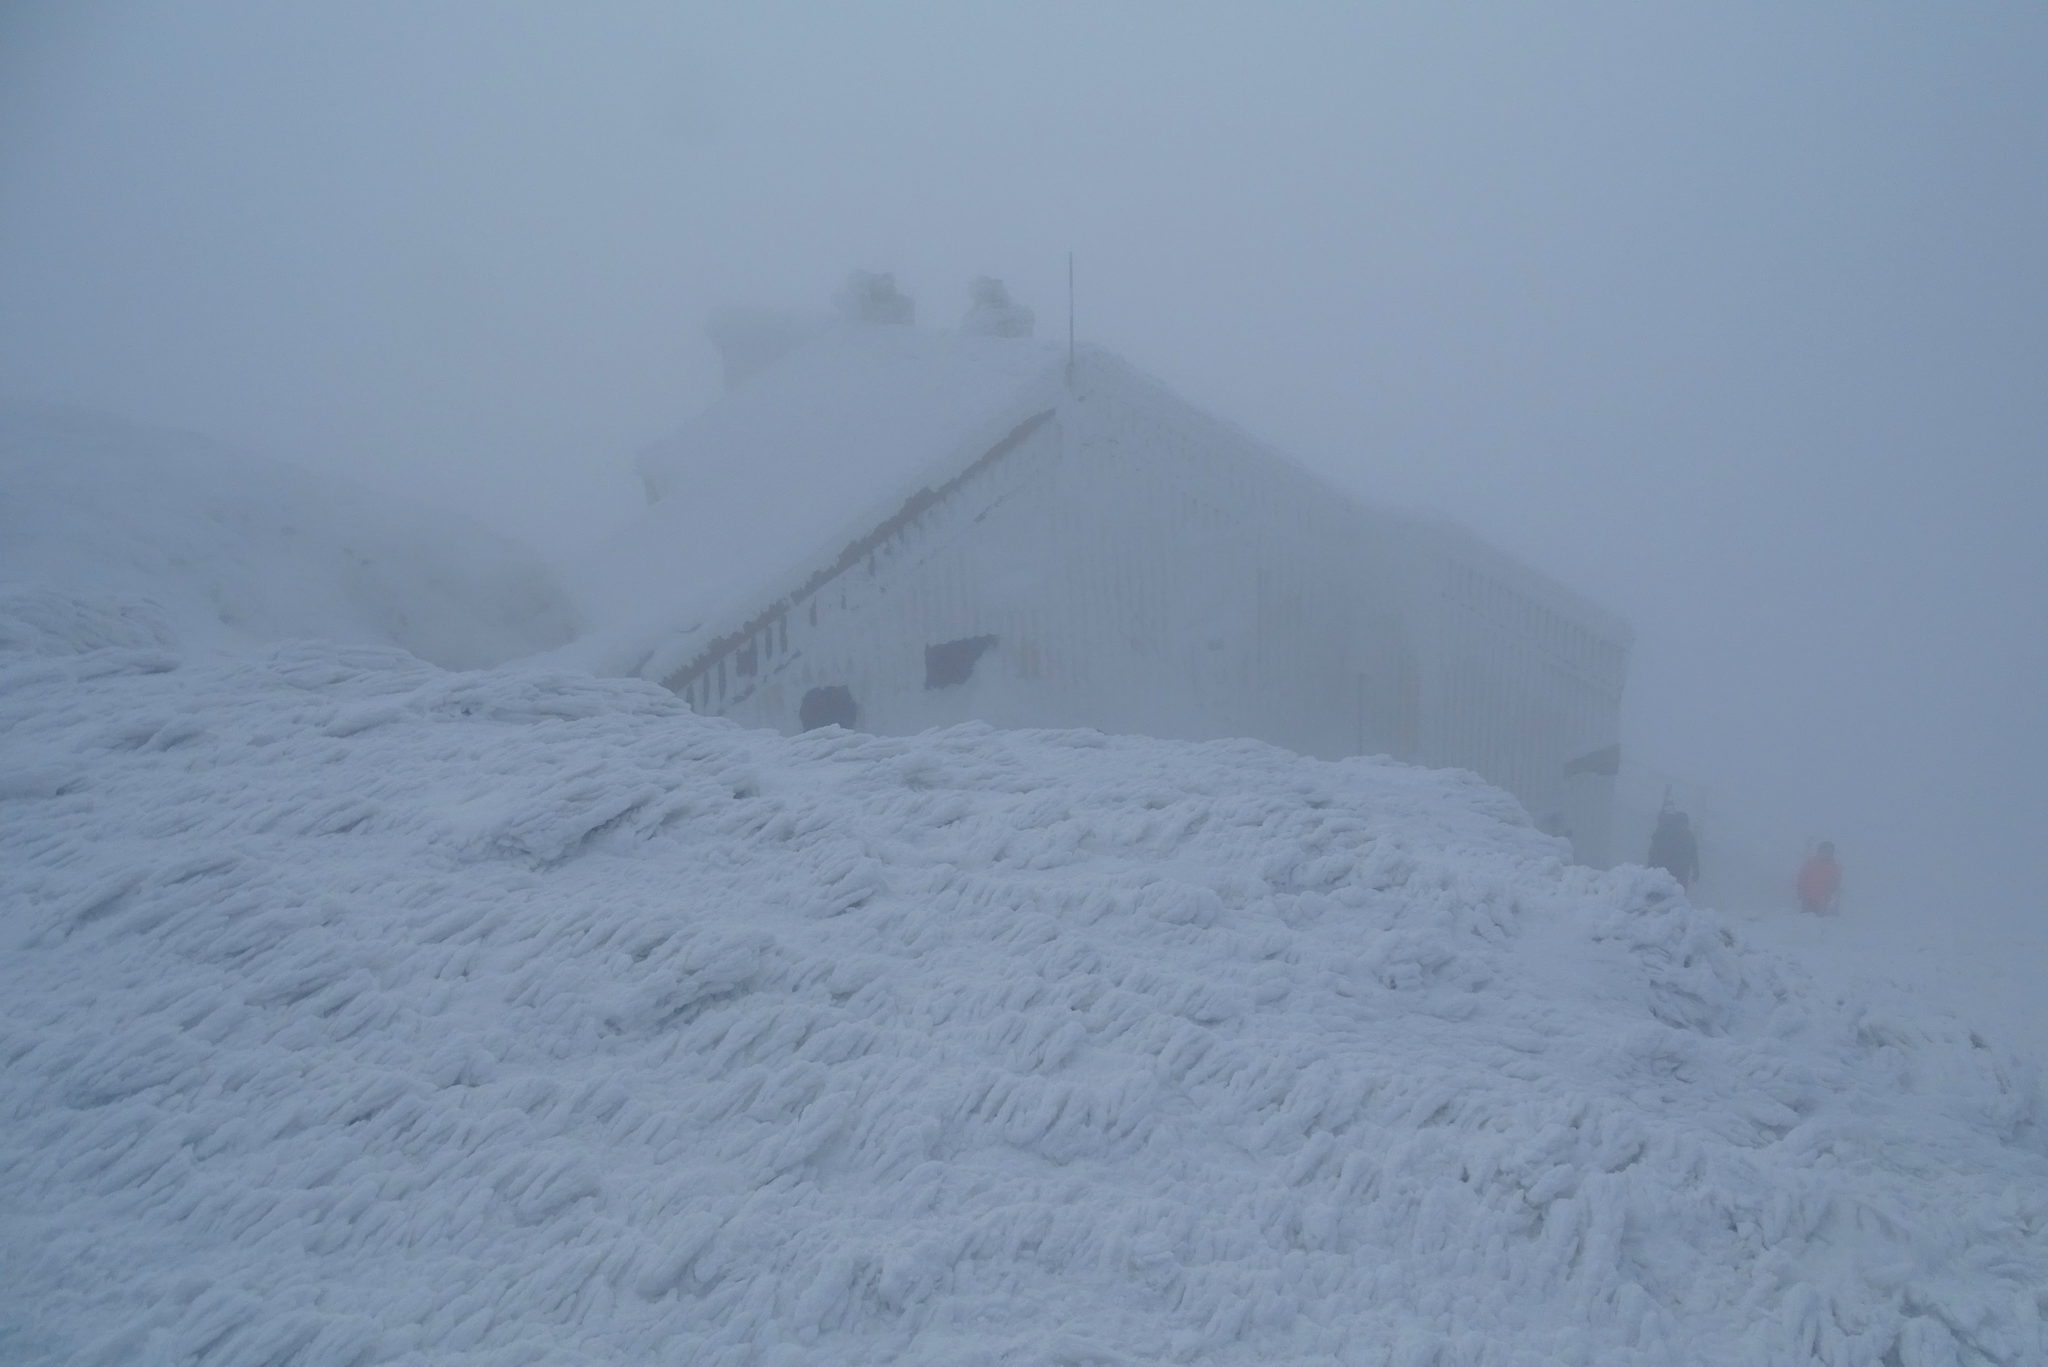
x=1673, y=848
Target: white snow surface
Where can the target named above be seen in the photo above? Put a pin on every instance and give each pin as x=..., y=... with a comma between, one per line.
x=783, y=473
x=233, y=549
x=355, y=1011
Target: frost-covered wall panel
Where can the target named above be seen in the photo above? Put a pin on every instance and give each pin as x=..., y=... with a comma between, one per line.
x=1138, y=571
x=941, y=579
x=1520, y=681
x=1267, y=568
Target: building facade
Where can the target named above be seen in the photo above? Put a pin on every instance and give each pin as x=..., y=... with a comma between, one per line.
x=1099, y=553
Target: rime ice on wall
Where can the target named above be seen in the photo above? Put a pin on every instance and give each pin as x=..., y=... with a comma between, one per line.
x=1141, y=567
x=1524, y=682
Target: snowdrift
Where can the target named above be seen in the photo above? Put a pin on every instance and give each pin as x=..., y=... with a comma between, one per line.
x=357, y=1012
x=231, y=549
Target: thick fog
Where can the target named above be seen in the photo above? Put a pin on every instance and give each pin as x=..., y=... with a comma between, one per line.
x=1734, y=316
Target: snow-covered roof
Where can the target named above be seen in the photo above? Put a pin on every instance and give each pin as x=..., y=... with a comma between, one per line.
x=779, y=475
x=828, y=429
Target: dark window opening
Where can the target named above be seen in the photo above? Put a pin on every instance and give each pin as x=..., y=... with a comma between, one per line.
x=953, y=662
x=831, y=705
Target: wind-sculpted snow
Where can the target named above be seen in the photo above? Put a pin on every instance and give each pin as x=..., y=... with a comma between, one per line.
x=358, y=1012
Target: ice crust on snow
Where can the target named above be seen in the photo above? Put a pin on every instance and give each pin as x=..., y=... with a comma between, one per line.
x=355, y=1011
x=229, y=548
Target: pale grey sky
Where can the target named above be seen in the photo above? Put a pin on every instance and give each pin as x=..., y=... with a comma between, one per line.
x=1734, y=316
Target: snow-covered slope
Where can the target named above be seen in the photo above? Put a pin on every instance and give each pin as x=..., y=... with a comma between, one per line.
x=353, y=1012
x=230, y=548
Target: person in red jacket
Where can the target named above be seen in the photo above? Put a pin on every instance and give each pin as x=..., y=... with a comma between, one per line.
x=1820, y=881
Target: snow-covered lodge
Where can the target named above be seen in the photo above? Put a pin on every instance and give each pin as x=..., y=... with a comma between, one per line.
x=890, y=528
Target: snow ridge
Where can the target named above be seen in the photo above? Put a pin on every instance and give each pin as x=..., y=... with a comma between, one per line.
x=229, y=549
x=357, y=1011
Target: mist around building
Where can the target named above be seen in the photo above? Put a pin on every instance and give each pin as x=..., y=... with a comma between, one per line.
x=995, y=864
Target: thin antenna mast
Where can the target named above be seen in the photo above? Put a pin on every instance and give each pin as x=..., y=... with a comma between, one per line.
x=1070, y=320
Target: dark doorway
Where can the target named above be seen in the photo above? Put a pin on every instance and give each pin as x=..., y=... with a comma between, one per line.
x=831, y=705
x=953, y=662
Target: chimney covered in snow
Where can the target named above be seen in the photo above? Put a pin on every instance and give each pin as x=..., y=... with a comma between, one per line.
x=872, y=297
x=993, y=313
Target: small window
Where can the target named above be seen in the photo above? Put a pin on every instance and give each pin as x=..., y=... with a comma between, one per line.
x=831, y=705
x=953, y=662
